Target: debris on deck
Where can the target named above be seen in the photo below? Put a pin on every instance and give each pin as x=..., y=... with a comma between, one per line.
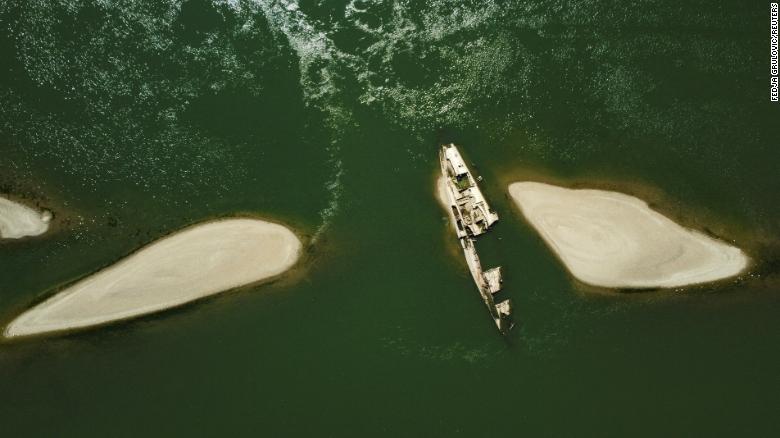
x=472, y=216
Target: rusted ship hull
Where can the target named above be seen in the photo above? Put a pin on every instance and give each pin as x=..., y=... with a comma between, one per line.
x=472, y=216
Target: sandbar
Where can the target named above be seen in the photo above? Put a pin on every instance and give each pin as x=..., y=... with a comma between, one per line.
x=197, y=262
x=443, y=198
x=613, y=240
x=17, y=220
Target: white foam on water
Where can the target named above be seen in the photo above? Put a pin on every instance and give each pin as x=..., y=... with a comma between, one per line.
x=112, y=143
x=469, y=71
x=463, y=69
x=317, y=57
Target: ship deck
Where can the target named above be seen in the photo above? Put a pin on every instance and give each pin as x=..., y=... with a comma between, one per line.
x=472, y=217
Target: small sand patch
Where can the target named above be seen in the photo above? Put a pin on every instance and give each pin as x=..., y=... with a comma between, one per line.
x=17, y=220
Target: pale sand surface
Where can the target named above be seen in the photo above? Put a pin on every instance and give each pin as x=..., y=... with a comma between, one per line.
x=190, y=264
x=441, y=191
x=610, y=239
x=443, y=198
x=17, y=220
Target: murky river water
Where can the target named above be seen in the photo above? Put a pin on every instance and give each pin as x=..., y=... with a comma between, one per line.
x=131, y=119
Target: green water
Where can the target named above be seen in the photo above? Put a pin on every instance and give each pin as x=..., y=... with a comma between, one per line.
x=131, y=119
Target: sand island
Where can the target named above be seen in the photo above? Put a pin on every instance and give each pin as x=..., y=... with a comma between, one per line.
x=613, y=240
x=199, y=261
x=17, y=220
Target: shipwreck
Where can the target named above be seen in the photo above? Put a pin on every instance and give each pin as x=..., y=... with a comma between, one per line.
x=471, y=217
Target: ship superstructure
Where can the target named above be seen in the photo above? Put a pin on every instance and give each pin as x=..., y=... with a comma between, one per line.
x=472, y=216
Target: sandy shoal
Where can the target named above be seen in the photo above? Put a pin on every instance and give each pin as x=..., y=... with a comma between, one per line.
x=199, y=261
x=17, y=220
x=614, y=240
x=443, y=196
